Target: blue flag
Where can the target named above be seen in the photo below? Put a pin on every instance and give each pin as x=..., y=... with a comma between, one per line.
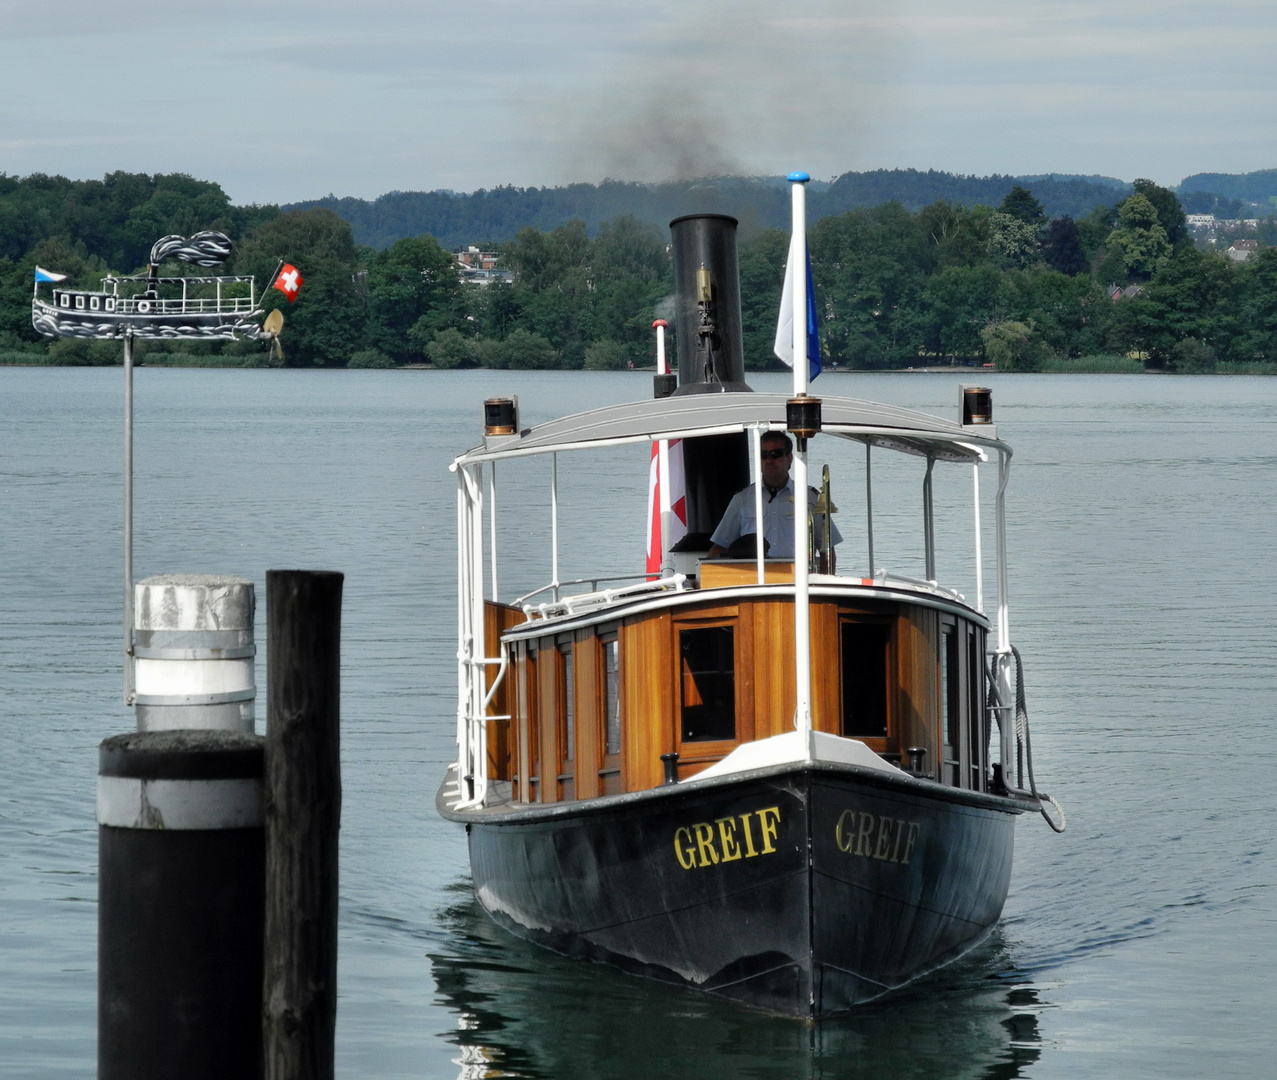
x=42, y=274
x=784, y=345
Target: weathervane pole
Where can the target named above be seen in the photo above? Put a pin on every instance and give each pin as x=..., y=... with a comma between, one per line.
x=802, y=592
x=130, y=683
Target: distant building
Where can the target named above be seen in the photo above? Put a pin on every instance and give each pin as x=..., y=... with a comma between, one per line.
x=1200, y=221
x=477, y=267
x=1241, y=250
x=1116, y=292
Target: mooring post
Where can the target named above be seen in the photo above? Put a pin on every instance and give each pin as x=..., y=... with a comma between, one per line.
x=303, y=813
x=180, y=906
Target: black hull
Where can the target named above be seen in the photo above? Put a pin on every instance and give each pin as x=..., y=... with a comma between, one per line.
x=804, y=889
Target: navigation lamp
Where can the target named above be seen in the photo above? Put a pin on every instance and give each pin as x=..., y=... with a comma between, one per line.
x=501, y=416
x=802, y=418
x=975, y=405
x=664, y=385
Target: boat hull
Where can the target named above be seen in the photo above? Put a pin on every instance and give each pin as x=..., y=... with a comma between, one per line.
x=167, y=326
x=803, y=890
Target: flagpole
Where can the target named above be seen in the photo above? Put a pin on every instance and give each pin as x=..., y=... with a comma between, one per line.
x=663, y=458
x=802, y=591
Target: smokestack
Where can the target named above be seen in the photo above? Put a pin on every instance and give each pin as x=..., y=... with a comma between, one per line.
x=707, y=319
x=711, y=359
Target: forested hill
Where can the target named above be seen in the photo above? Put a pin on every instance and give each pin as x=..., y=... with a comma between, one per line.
x=497, y=215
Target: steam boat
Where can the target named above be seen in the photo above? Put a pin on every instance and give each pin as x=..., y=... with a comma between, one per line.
x=148, y=306
x=749, y=775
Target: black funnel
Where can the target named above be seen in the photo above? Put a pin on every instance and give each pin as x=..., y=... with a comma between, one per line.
x=707, y=320
x=711, y=359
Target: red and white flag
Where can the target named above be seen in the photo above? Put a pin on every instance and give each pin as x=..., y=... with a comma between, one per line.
x=678, y=504
x=289, y=281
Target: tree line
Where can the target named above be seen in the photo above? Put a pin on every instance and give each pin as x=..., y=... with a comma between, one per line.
x=946, y=283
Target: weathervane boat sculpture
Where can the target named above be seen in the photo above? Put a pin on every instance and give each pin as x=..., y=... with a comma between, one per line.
x=150, y=306
x=737, y=774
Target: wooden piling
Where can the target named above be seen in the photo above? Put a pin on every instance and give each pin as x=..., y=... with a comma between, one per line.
x=303, y=812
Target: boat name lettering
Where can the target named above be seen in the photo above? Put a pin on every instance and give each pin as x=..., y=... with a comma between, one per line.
x=889, y=839
x=727, y=839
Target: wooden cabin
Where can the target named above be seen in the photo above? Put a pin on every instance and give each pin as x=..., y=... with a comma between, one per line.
x=589, y=705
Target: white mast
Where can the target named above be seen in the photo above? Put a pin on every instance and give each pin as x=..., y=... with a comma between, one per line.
x=802, y=596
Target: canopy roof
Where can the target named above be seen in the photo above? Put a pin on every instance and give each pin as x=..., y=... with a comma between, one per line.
x=709, y=414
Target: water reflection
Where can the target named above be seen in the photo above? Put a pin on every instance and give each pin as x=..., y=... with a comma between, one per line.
x=523, y=1012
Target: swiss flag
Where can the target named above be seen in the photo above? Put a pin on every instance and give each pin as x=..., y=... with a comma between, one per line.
x=289, y=281
x=678, y=505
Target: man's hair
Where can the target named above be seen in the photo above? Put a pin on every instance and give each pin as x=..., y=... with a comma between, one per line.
x=779, y=436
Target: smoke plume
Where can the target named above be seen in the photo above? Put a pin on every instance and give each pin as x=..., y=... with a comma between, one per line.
x=741, y=87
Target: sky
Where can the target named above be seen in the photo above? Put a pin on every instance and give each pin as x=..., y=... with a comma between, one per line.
x=286, y=101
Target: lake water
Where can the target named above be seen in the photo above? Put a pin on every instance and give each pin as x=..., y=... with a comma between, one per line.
x=1143, y=519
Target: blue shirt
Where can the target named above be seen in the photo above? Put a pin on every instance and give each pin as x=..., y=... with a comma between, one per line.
x=778, y=520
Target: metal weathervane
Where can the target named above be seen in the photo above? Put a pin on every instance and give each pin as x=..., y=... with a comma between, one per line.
x=185, y=308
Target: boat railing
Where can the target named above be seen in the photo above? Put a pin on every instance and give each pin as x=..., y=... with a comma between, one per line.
x=145, y=302
x=884, y=578
x=578, y=602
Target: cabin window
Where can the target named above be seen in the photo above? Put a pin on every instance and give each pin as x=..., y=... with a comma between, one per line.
x=612, y=697
x=529, y=695
x=949, y=687
x=864, y=680
x=567, y=703
x=93, y=303
x=707, y=657
x=975, y=687
x=64, y=300
x=567, y=721
x=951, y=701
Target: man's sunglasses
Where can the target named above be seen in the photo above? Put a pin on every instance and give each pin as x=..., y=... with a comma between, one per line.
x=772, y=455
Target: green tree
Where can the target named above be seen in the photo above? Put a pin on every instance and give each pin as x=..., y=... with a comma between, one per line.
x=1008, y=345
x=370, y=358
x=1063, y=248
x=1258, y=306
x=869, y=268
x=451, y=349
x=413, y=291
x=762, y=273
x=1170, y=214
x=631, y=273
x=957, y=235
x=606, y=356
x=1193, y=296
x=958, y=302
x=1139, y=240
x=326, y=323
x=1069, y=313
x=553, y=288
x=1021, y=205
x=522, y=349
x=1013, y=243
